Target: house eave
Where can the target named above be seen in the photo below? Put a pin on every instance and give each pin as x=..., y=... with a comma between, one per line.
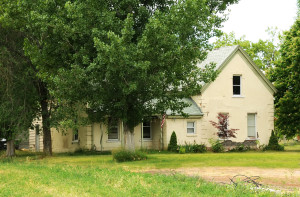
x=182, y=117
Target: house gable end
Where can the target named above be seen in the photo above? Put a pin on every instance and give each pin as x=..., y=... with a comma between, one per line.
x=224, y=62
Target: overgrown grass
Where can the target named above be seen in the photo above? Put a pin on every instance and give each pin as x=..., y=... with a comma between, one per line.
x=78, y=174
x=34, y=179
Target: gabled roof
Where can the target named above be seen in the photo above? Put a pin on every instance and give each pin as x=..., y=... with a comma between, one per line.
x=218, y=56
x=192, y=110
x=223, y=55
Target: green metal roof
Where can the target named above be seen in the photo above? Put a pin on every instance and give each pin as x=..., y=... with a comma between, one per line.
x=192, y=110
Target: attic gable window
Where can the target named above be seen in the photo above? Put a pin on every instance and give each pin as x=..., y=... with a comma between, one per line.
x=236, y=85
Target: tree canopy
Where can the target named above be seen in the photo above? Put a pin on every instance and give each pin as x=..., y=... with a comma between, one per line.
x=286, y=79
x=18, y=98
x=123, y=59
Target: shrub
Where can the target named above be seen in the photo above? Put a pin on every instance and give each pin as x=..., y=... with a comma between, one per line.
x=240, y=148
x=173, y=143
x=182, y=150
x=200, y=148
x=216, y=146
x=126, y=155
x=194, y=148
x=273, y=143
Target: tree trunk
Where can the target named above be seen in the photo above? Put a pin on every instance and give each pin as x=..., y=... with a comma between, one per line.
x=46, y=129
x=10, y=148
x=129, y=139
x=45, y=120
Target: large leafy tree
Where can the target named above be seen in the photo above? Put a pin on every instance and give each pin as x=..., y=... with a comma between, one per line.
x=18, y=98
x=27, y=68
x=126, y=59
x=286, y=79
x=137, y=72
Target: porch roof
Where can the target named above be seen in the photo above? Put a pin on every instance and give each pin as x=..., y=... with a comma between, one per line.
x=192, y=110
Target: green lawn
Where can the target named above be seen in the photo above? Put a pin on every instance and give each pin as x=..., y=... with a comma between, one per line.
x=98, y=175
x=292, y=146
x=247, y=159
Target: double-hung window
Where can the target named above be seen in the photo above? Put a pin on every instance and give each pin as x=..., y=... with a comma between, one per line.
x=147, y=130
x=190, y=127
x=251, y=123
x=113, y=129
x=236, y=85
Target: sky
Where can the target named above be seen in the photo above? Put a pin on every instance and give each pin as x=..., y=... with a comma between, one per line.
x=252, y=17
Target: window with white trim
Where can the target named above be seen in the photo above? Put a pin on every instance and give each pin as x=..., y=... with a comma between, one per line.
x=251, y=123
x=190, y=127
x=236, y=81
x=113, y=129
x=147, y=130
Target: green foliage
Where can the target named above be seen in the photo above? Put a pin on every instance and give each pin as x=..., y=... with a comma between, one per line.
x=273, y=143
x=194, y=148
x=18, y=96
x=111, y=53
x=216, y=146
x=182, y=150
x=126, y=155
x=117, y=56
x=240, y=148
x=173, y=143
x=286, y=79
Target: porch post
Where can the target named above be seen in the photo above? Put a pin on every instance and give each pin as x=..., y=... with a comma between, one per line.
x=122, y=134
x=161, y=131
x=161, y=138
x=142, y=134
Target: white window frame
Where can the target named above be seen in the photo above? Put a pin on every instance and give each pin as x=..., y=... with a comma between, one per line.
x=237, y=95
x=255, y=127
x=113, y=126
x=194, y=127
x=150, y=131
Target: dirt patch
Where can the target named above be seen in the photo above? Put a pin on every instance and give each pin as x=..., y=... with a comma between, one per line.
x=280, y=179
